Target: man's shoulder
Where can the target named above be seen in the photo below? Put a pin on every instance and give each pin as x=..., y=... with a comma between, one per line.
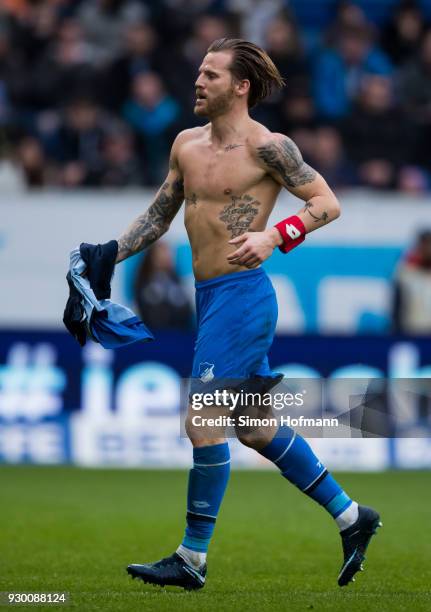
x=189, y=135
x=261, y=138
x=184, y=139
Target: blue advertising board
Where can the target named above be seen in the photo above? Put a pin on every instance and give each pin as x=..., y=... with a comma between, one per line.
x=60, y=403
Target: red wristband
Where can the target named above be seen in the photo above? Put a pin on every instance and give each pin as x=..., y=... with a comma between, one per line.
x=292, y=231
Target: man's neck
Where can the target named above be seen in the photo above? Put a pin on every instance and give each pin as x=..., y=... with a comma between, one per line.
x=229, y=127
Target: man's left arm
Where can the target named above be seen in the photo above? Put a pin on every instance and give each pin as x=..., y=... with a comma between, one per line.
x=283, y=161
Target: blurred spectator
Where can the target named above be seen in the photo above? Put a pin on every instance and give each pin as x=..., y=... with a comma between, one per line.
x=71, y=48
x=32, y=161
x=207, y=28
x=153, y=115
x=413, y=180
x=378, y=136
x=78, y=143
x=11, y=175
x=104, y=23
x=34, y=28
x=402, y=36
x=338, y=72
x=161, y=299
x=255, y=16
x=140, y=55
x=6, y=71
x=349, y=15
x=415, y=83
x=283, y=43
x=412, y=291
x=174, y=19
x=120, y=166
x=297, y=110
x=329, y=158
x=415, y=94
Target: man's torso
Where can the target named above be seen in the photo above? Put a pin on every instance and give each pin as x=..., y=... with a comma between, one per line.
x=227, y=193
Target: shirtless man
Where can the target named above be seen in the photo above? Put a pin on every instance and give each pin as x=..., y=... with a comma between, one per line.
x=229, y=173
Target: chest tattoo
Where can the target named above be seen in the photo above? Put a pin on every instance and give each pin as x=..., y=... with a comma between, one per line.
x=239, y=214
x=230, y=147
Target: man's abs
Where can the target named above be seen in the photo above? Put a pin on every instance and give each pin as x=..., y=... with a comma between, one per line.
x=211, y=224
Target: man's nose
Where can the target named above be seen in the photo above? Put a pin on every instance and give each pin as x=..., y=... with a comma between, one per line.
x=199, y=81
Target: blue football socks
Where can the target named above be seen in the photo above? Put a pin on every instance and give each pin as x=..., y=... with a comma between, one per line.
x=297, y=462
x=210, y=474
x=207, y=483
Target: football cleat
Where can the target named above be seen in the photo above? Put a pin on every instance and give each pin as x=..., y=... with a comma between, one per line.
x=355, y=540
x=170, y=571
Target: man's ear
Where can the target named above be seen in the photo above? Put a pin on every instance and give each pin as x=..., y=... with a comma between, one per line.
x=242, y=87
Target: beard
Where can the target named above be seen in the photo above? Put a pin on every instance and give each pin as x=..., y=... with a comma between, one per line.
x=217, y=106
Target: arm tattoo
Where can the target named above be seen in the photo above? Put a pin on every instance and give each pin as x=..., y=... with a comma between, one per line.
x=285, y=159
x=239, y=214
x=324, y=216
x=154, y=222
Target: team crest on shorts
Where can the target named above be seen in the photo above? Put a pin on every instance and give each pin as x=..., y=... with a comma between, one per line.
x=206, y=371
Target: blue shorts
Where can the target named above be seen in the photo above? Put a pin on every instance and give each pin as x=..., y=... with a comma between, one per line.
x=237, y=315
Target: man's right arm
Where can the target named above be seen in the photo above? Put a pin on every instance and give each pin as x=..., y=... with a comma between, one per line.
x=155, y=221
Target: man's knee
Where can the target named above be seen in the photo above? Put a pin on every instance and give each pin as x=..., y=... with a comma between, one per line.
x=256, y=438
x=193, y=432
x=200, y=435
x=254, y=427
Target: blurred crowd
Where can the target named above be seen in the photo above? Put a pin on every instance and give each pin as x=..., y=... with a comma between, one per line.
x=411, y=307
x=92, y=92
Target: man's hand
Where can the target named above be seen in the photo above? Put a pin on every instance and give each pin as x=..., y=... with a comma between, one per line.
x=255, y=247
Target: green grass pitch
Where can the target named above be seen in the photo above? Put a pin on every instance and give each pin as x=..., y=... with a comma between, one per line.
x=75, y=530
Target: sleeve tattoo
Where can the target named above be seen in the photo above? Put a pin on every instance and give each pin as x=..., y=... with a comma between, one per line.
x=284, y=159
x=154, y=222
